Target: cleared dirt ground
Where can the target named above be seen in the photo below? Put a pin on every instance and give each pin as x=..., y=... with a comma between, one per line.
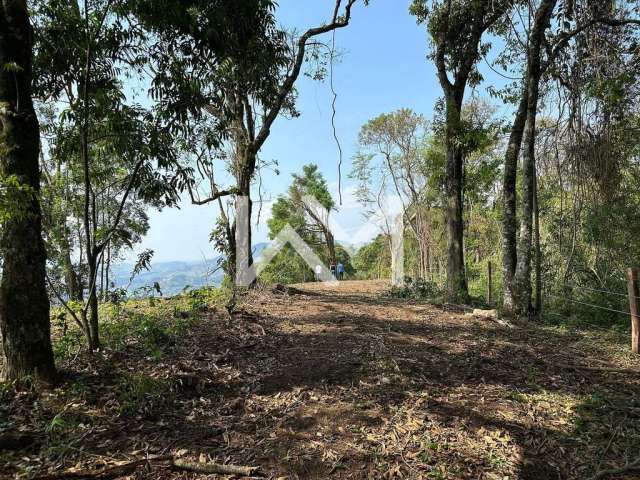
x=346, y=382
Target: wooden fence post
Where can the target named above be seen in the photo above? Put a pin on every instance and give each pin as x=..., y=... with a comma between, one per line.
x=490, y=284
x=632, y=286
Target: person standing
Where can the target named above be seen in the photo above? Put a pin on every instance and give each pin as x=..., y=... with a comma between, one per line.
x=333, y=270
x=340, y=271
x=318, y=272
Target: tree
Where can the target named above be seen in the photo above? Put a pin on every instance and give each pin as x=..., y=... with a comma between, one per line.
x=542, y=47
x=243, y=96
x=109, y=150
x=306, y=209
x=373, y=260
x=394, y=161
x=287, y=266
x=24, y=304
x=311, y=184
x=456, y=28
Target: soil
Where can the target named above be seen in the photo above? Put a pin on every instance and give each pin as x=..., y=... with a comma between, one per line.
x=326, y=381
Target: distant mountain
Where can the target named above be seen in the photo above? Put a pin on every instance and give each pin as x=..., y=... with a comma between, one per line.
x=174, y=277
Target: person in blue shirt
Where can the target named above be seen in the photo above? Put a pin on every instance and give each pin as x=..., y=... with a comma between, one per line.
x=340, y=271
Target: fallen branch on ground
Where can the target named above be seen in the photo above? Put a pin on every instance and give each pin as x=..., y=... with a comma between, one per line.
x=120, y=470
x=109, y=472
x=210, y=468
x=616, y=471
x=595, y=369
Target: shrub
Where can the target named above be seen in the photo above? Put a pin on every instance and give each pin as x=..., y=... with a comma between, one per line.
x=417, y=289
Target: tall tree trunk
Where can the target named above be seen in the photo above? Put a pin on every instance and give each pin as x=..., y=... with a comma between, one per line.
x=242, y=251
x=456, y=278
x=106, y=275
x=24, y=303
x=523, y=266
x=89, y=219
x=101, y=294
x=460, y=60
x=509, y=220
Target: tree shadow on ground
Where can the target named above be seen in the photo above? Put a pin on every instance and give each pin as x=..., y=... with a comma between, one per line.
x=348, y=386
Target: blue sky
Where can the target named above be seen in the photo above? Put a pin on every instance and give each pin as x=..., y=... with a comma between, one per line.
x=384, y=68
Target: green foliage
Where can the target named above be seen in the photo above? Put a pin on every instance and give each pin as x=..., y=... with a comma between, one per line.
x=15, y=198
x=373, y=260
x=284, y=212
x=287, y=267
x=404, y=157
x=308, y=222
x=208, y=49
x=56, y=425
x=455, y=29
x=149, y=330
x=141, y=394
x=154, y=327
x=67, y=345
x=311, y=183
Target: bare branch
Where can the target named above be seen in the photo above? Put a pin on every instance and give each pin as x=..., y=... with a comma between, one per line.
x=64, y=303
x=289, y=81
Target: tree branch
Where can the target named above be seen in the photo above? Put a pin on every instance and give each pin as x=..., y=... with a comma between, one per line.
x=289, y=81
x=64, y=303
x=116, y=220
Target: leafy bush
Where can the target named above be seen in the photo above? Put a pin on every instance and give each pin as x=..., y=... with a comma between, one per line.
x=417, y=289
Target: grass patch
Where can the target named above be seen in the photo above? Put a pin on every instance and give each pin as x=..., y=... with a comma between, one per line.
x=153, y=324
x=143, y=395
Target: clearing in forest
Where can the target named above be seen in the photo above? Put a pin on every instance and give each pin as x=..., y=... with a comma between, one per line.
x=340, y=382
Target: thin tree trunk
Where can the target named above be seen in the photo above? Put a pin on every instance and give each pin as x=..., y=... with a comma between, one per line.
x=331, y=244
x=94, y=337
x=24, y=303
x=71, y=277
x=107, y=267
x=538, y=252
x=89, y=217
x=80, y=275
x=102, y=257
x=523, y=266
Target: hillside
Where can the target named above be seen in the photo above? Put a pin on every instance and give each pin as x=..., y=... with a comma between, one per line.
x=336, y=382
x=174, y=277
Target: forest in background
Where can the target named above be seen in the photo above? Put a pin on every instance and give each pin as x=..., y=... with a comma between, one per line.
x=547, y=194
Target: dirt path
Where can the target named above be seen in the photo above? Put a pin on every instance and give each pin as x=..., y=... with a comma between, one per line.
x=345, y=382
